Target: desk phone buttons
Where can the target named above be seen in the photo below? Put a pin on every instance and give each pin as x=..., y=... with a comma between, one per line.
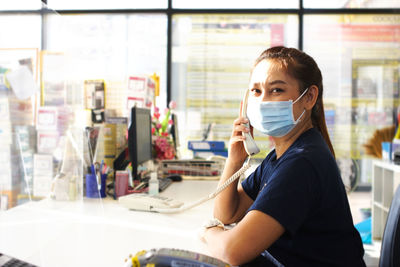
x=172, y=257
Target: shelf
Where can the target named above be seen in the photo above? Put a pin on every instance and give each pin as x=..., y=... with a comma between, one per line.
x=386, y=178
x=387, y=165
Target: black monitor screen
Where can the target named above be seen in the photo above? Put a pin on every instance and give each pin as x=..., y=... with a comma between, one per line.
x=139, y=138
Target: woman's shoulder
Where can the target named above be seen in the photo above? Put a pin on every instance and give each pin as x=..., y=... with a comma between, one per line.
x=308, y=150
x=310, y=145
x=309, y=156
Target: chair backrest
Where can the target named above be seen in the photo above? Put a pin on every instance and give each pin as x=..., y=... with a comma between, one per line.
x=390, y=250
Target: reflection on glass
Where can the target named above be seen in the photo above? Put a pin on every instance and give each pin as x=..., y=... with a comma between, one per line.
x=351, y=4
x=112, y=47
x=359, y=58
x=19, y=79
x=36, y=141
x=41, y=153
x=212, y=57
x=226, y=4
x=106, y=4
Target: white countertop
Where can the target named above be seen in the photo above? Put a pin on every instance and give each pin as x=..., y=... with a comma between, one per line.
x=100, y=232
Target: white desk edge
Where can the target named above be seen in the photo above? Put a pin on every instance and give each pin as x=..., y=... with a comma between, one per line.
x=100, y=232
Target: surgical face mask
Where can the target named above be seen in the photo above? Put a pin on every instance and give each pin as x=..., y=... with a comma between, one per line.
x=274, y=118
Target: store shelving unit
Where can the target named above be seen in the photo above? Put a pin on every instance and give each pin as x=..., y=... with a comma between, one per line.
x=386, y=178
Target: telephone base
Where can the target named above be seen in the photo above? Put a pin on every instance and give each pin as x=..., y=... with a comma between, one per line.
x=148, y=202
x=164, y=257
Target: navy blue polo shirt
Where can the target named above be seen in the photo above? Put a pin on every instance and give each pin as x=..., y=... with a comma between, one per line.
x=304, y=192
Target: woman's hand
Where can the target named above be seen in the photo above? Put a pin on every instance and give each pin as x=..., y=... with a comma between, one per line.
x=236, y=151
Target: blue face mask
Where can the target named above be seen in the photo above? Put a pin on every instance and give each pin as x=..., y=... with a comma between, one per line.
x=273, y=118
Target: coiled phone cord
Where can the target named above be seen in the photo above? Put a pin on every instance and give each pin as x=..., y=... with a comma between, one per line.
x=219, y=189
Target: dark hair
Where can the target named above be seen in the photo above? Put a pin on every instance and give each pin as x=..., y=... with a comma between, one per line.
x=305, y=70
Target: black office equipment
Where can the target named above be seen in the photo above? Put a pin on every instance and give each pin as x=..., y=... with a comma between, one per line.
x=8, y=261
x=175, y=177
x=122, y=161
x=139, y=139
x=396, y=157
x=173, y=257
x=390, y=250
x=98, y=115
x=163, y=183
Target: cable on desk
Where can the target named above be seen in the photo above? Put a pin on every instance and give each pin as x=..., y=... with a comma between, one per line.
x=235, y=176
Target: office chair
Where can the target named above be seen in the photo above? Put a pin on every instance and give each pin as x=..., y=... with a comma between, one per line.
x=390, y=250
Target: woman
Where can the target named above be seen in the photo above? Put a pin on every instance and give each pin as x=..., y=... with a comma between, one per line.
x=293, y=210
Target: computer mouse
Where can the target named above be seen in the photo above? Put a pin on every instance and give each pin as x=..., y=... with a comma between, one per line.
x=175, y=177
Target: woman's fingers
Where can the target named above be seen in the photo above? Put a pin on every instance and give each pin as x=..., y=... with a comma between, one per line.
x=238, y=129
x=239, y=126
x=236, y=148
x=240, y=120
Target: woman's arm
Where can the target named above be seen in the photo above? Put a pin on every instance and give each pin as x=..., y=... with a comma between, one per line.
x=231, y=204
x=252, y=235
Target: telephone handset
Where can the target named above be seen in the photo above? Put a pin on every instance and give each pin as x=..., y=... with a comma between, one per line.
x=249, y=144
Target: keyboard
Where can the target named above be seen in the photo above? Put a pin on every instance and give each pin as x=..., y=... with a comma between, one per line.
x=7, y=261
x=163, y=183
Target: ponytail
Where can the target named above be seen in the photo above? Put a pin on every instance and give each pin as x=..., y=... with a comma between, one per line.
x=318, y=121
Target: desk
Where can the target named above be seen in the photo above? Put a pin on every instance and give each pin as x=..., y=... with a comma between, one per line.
x=99, y=232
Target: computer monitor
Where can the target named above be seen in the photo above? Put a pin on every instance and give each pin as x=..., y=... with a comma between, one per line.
x=139, y=139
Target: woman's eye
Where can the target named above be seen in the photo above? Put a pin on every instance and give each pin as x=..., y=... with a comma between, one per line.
x=276, y=90
x=255, y=91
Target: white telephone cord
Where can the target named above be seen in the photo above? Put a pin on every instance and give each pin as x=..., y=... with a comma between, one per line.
x=235, y=176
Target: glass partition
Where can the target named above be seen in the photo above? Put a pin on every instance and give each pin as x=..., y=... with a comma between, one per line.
x=212, y=57
x=42, y=155
x=57, y=148
x=19, y=88
x=46, y=96
x=113, y=48
x=41, y=141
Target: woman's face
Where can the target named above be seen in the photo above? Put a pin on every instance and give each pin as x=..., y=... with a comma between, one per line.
x=269, y=82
